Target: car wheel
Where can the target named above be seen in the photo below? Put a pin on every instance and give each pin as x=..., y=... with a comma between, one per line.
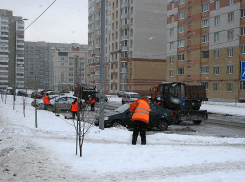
x=117, y=124
x=163, y=125
x=197, y=121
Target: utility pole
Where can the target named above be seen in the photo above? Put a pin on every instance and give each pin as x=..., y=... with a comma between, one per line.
x=102, y=68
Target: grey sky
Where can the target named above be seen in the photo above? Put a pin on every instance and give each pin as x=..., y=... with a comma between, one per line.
x=66, y=21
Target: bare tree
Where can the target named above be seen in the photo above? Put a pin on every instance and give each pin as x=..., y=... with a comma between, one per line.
x=85, y=122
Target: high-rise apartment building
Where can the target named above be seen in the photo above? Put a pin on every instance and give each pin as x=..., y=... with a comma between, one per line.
x=40, y=62
x=11, y=50
x=205, y=45
x=135, y=44
x=70, y=68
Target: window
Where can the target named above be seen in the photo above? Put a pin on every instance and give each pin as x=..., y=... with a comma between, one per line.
x=125, y=21
x=172, y=5
x=181, y=57
x=229, y=86
x=217, y=4
x=230, y=34
x=171, y=32
x=124, y=10
x=181, y=15
x=216, y=54
x=229, y=69
x=205, y=38
x=242, y=49
x=171, y=73
x=216, y=70
x=216, y=86
x=181, y=2
x=98, y=32
x=205, y=84
x=242, y=85
x=180, y=71
x=205, y=23
x=181, y=28
x=231, y=17
x=181, y=43
x=172, y=19
x=205, y=7
x=216, y=37
x=216, y=20
x=171, y=59
x=242, y=12
x=171, y=45
x=231, y=2
x=204, y=69
x=205, y=54
x=242, y=31
x=230, y=52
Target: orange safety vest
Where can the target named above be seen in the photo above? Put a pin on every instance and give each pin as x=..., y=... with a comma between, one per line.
x=141, y=112
x=74, y=107
x=91, y=100
x=45, y=100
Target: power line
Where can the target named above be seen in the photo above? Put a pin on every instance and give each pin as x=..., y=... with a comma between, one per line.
x=40, y=15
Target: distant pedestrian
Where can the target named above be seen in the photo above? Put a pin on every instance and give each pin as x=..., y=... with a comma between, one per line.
x=140, y=109
x=46, y=101
x=74, y=108
x=92, y=102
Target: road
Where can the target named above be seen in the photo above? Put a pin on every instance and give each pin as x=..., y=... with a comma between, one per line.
x=217, y=125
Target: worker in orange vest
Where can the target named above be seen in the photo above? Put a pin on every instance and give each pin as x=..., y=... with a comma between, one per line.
x=74, y=108
x=46, y=101
x=92, y=102
x=140, y=109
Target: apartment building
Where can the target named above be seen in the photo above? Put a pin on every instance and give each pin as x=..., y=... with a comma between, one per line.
x=135, y=44
x=11, y=50
x=205, y=45
x=39, y=62
x=70, y=68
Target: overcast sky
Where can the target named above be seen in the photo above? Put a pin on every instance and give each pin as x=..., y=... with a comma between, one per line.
x=66, y=21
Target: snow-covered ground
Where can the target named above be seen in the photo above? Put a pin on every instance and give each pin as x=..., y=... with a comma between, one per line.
x=47, y=153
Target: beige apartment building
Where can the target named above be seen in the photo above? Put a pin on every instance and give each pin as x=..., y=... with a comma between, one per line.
x=135, y=44
x=39, y=62
x=205, y=45
x=69, y=69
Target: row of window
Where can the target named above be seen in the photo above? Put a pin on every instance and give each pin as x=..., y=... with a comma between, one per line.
x=205, y=54
x=204, y=70
x=205, y=22
x=205, y=6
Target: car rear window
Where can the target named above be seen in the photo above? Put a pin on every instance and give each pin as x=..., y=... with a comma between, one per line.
x=134, y=95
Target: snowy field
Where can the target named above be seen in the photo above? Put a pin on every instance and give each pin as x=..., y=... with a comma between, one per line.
x=48, y=152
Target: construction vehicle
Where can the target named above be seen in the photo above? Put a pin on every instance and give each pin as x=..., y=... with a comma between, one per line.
x=85, y=91
x=184, y=100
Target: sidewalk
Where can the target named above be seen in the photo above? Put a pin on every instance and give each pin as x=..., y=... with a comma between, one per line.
x=237, y=109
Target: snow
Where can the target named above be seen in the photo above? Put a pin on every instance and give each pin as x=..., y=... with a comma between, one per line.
x=48, y=152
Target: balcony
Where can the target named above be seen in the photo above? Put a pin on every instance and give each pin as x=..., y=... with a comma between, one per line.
x=97, y=72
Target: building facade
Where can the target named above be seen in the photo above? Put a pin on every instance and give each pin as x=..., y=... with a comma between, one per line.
x=70, y=69
x=39, y=62
x=205, y=45
x=11, y=50
x=135, y=44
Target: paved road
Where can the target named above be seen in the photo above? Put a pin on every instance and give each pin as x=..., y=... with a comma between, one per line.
x=216, y=125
